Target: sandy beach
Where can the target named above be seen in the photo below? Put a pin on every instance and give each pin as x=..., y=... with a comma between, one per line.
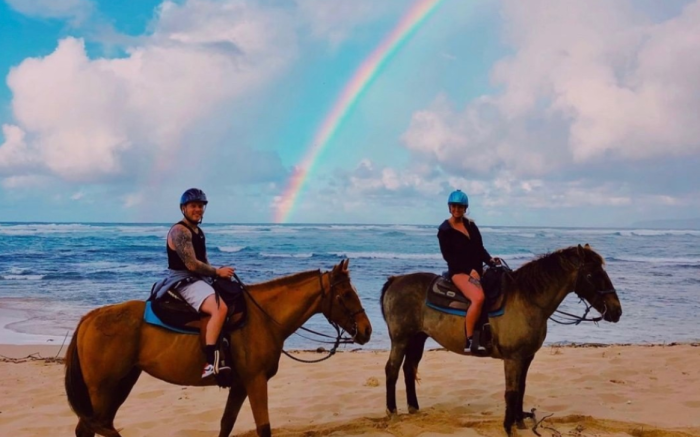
x=588, y=391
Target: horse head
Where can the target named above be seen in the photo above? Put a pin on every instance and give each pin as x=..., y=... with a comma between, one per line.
x=594, y=285
x=342, y=304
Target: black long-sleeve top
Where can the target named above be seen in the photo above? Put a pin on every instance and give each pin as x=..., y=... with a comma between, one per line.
x=462, y=253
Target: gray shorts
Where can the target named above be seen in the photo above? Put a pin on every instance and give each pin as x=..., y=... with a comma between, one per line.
x=196, y=292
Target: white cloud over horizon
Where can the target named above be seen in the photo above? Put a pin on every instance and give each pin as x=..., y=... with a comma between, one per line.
x=591, y=105
x=93, y=120
x=585, y=82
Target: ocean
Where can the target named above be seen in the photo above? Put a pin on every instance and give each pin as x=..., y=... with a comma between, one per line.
x=52, y=274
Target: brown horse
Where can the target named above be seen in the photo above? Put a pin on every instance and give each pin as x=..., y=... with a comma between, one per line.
x=532, y=294
x=112, y=346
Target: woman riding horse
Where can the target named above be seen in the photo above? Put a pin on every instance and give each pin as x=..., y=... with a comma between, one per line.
x=532, y=294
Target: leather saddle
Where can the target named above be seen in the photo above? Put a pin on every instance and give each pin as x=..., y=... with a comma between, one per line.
x=443, y=295
x=179, y=316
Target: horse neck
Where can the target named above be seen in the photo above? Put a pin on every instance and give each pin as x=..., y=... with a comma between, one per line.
x=552, y=296
x=289, y=301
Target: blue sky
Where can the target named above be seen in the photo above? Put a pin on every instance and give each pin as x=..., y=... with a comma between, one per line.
x=583, y=114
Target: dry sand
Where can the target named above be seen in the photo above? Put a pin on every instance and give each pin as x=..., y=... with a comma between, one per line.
x=640, y=391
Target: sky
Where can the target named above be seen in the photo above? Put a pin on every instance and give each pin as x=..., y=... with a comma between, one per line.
x=545, y=112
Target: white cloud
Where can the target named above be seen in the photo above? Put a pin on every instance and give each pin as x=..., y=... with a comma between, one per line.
x=338, y=20
x=93, y=120
x=132, y=200
x=74, y=10
x=587, y=82
x=15, y=155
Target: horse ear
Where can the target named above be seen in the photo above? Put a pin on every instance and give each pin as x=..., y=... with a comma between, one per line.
x=587, y=246
x=344, y=265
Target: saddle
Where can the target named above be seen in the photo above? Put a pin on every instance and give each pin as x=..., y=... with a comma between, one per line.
x=172, y=312
x=443, y=295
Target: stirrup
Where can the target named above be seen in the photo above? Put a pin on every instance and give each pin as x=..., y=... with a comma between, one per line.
x=219, y=363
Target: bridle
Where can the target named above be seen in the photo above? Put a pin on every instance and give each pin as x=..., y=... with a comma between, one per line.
x=573, y=319
x=338, y=339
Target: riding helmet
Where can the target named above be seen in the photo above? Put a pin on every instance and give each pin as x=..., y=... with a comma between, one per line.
x=459, y=198
x=193, y=195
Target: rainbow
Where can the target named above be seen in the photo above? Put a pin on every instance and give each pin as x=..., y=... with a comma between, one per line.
x=359, y=82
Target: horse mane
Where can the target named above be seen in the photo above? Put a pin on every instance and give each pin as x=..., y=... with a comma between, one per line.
x=537, y=275
x=287, y=280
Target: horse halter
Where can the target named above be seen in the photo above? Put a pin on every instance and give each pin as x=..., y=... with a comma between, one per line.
x=574, y=319
x=333, y=294
x=338, y=339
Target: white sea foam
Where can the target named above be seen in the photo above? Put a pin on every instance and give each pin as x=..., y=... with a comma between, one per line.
x=388, y=255
x=41, y=228
x=658, y=260
x=286, y=255
x=231, y=249
x=22, y=277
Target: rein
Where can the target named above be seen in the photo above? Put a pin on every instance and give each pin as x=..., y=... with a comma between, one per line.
x=573, y=319
x=339, y=339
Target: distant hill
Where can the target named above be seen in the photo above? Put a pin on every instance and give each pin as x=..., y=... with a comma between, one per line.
x=693, y=223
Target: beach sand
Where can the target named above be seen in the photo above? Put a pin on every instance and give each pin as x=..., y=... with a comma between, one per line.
x=640, y=391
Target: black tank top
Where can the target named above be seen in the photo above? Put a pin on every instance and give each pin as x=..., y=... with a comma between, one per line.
x=200, y=249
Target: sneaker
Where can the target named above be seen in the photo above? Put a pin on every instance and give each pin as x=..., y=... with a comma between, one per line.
x=208, y=371
x=468, y=345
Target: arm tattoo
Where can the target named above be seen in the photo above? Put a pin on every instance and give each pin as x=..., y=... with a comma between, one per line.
x=182, y=242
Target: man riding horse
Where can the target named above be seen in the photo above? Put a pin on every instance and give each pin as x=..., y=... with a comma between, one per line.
x=191, y=275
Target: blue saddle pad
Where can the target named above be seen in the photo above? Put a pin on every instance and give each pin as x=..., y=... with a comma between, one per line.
x=150, y=317
x=456, y=312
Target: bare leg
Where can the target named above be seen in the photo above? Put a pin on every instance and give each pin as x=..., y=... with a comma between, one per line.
x=216, y=321
x=475, y=294
x=393, y=365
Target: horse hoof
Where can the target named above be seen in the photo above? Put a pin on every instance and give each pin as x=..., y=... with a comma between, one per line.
x=520, y=424
x=412, y=410
x=391, y=414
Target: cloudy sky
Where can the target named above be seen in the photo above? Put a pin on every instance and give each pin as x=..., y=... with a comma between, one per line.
x=546, y=112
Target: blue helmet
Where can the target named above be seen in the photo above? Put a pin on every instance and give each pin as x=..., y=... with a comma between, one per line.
x=193, y=195
x=459, y=198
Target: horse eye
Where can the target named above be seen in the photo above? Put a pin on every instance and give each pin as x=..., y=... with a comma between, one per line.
x=589, y=277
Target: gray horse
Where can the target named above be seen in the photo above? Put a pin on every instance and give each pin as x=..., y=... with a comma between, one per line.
x=531, y=295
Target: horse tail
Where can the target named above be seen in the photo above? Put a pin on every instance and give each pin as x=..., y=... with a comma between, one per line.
x=76, y=389
x=384, y=289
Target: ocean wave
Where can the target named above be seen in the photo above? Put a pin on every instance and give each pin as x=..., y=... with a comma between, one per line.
x=250, y=229
x=44, y=228
x=286, y=255
x=22, y=277
x=656, y=260
x=387, y=255
x=231, y=249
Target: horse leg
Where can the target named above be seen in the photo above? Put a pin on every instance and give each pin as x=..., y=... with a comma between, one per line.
x=83, y=430
x=520, y=414
x=393, y=365
x=513, y=370
x=120, y=394
x=414, y=353
x=106, y=400
x=236, y=396
x=256, y=388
